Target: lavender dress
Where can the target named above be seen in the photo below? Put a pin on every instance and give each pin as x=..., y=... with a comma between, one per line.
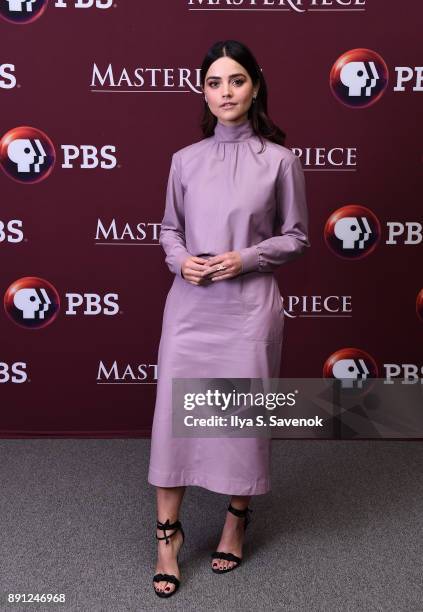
x=223, y=195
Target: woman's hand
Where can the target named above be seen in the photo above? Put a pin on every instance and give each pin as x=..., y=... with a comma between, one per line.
x=193, y=270
x=200, y=271
x=231, y=262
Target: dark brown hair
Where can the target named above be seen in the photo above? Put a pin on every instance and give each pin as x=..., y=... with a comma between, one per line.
x=261, y=123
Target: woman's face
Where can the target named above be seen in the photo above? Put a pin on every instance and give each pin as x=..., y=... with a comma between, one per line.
x=228, y=81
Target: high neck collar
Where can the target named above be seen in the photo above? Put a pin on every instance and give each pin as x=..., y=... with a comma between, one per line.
x=233, y=133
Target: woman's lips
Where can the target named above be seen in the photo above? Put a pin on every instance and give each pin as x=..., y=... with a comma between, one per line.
x=230, y=105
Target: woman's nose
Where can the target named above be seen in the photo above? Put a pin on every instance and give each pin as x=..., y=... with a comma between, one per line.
x=227, y=91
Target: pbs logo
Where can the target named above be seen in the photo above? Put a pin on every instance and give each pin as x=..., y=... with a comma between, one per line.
x=27, y=11
x=13, y=372
x=359, y=78
x=352, y=366
x=27, y=155
x=11, y=231
x=352, y=232
x=34, y=303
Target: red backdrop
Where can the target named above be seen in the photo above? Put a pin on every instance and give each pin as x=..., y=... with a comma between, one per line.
x=74, y=73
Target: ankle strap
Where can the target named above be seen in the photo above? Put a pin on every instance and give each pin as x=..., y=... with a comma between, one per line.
x=239, y=512
x=166, y=527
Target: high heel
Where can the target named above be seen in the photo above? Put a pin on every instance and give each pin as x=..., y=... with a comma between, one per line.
x=229, y=556
x=177, y=526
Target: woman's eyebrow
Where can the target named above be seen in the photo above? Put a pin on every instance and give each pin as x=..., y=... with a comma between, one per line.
x=230, y=76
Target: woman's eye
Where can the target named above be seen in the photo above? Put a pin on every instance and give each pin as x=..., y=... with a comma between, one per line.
x=238, y=82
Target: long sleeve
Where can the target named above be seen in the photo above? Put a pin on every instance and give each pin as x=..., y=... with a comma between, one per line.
x=292, y=211
x=172, y=233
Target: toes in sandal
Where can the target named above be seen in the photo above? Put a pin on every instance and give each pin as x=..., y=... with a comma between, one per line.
x=168, y=577
x=229, y=556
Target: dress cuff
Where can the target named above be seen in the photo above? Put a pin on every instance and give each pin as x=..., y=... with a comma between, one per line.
x=250, y=259
x=180, y=260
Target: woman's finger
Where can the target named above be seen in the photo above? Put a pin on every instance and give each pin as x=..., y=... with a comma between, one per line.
x=224, y=267
x=194, y=266
x=221, y=277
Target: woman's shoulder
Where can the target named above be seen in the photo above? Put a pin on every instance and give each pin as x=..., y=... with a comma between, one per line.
x=280, y=153
x=184, y=157
x=192, y=150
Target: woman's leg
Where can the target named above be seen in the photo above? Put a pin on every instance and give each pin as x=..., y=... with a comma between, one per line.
x=232, y=537
x=169, y=501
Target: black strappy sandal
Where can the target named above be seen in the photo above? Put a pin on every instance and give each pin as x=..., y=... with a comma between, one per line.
x=229, y=556
x=168, y=577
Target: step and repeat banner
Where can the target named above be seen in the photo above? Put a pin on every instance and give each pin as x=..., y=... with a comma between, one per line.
x=96, y=95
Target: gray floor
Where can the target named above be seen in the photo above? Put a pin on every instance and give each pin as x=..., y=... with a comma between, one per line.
x=341, y=529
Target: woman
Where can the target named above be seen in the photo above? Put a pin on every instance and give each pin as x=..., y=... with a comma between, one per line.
x=235, y=211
